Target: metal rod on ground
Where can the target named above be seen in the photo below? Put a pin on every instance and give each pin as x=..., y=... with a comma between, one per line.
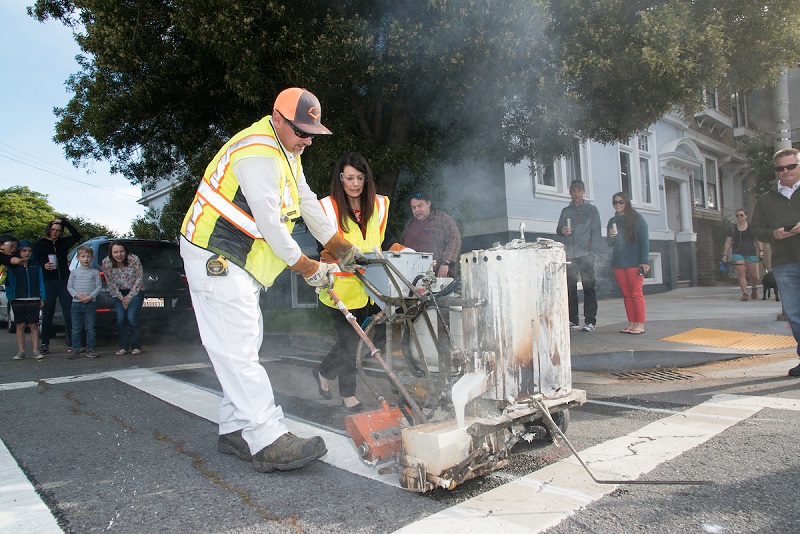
x=415, y=409
x=553, y=427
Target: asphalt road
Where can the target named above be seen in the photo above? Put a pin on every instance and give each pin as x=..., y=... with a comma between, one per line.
x=128, y=444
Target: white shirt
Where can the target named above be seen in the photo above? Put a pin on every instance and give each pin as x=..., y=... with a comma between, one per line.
x=259, y=179
x=788, y=191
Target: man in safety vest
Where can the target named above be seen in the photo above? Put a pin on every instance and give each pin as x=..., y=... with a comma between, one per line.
x=236, y=239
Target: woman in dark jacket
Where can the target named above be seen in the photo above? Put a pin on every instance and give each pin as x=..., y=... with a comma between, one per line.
x=55, y=246
x=630, y=258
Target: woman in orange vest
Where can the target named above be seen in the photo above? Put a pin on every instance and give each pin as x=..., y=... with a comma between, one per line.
x=360, y=216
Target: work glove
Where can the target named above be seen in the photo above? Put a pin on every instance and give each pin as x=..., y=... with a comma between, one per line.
x=349, y=260
x=346, y=254
x=315, y=273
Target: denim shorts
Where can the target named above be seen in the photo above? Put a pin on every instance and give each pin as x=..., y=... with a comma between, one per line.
x=748, y=259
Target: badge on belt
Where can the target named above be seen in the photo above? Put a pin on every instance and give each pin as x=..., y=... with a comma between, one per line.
x=217, y=266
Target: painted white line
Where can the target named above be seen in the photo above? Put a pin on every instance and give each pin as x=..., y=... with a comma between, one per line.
x=95, y=376
x=546, y=497
x=341, y=450
x=22, y=511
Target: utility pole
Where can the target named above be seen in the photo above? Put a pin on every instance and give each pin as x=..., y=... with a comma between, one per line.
x=783, y=131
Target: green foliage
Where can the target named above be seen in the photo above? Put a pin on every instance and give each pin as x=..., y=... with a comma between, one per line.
x=24, y=213
x=759, y=151
x=145, y=227
x=411, y=85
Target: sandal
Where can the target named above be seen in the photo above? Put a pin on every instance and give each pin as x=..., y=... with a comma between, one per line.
x=636, y=332
x=745, y=297
x=625, y=330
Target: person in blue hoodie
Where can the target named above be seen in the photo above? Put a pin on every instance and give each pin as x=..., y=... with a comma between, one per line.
x=25, y=291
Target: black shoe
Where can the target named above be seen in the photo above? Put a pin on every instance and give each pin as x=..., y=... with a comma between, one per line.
x=353, y=409
x=327, y=395
x=794, y=371
x=234, y=443
x=288, y=452
x=44, y=349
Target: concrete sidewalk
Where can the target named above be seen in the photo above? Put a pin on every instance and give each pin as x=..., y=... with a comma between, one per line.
x=708, y=324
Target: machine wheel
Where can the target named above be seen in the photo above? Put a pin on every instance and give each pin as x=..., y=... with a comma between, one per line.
x=562, y=420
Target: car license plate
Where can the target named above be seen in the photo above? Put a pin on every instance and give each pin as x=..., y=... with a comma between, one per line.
x=153, y=302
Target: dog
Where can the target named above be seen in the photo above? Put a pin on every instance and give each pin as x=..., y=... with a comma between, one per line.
x=769, y=284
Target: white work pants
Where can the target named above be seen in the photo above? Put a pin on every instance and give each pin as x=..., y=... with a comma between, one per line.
x=231, y=327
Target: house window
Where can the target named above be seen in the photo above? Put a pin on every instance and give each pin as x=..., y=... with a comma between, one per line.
x=706, y=186
x=655, y=274
x=635, y=169
x=555, y=177
x=739, y=110
x=710, y=97
x=625, y=171
x=711, y=184
x=303, y=295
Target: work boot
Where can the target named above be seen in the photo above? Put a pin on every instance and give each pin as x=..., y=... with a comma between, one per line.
x=288, y=452
x=794, y=371
x=234, y=443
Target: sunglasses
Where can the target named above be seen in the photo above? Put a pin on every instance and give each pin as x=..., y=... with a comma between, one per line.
x=297, y=131
x=790, y=167
x=618, y=202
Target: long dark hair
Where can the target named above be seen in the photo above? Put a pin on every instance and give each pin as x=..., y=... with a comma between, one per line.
x=367, y=198
x=630, y=217
x=111, y=258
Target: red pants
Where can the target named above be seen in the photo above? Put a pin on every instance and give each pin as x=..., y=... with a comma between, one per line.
x=630, y=283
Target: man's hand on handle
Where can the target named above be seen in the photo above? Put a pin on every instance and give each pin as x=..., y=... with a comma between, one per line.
x=313, y=272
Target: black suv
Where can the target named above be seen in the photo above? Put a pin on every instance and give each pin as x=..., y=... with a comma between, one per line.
x=167, y=303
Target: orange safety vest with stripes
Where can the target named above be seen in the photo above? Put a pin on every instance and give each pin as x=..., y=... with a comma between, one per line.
x=347, y=287
x=220, y=220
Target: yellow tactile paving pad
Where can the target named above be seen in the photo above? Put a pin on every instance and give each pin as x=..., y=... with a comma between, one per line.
x=733, y=340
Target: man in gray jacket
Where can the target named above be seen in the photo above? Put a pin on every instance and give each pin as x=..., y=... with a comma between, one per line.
x=579, y=227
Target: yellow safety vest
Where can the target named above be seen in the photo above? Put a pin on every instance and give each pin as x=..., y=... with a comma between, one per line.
x=3, y=273
x=220, y=219
x=348, y=288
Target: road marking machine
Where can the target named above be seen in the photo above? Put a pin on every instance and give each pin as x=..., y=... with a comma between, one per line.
x=468, y=371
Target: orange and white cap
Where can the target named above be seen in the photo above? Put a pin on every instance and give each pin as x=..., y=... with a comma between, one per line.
x=302, y=108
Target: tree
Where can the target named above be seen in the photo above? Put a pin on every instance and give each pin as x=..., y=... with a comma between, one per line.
x=411, y=85
x=24, y=213
x=759, y=151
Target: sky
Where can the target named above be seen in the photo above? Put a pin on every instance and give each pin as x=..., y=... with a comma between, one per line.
x=36, y=61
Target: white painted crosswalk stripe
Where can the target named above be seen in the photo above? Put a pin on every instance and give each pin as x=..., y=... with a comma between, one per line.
x=21, y=508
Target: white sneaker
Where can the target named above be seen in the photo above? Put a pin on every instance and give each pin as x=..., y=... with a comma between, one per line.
x=121, y=352
x=38, y=355
x=136, y=352
x=574, y=326
x=588, y=327
x=19, y=356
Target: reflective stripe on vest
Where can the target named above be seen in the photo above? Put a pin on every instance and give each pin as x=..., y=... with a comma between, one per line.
x=220, y=218
x=347, y=287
